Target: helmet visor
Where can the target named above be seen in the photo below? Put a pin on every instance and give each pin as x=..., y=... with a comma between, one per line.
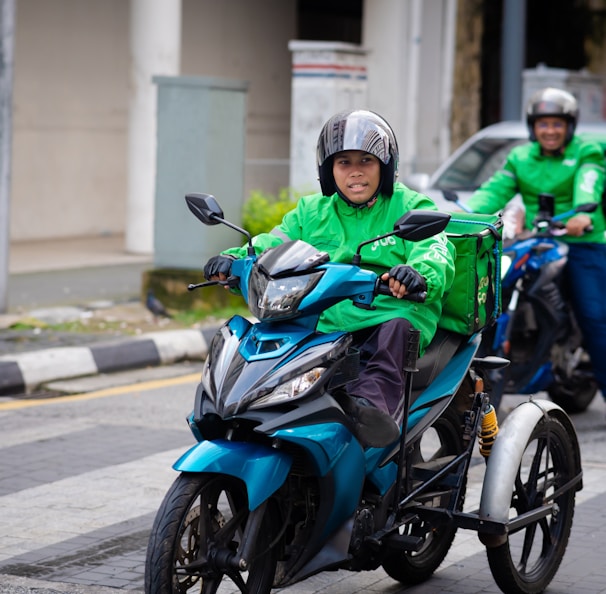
x=359, y=131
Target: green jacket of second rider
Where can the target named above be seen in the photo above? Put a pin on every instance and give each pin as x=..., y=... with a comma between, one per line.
x=574, y=177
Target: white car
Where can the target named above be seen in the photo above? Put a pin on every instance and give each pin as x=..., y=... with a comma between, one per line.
x=479, y=157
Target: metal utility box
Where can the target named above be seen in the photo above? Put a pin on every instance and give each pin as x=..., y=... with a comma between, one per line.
x=200, y=148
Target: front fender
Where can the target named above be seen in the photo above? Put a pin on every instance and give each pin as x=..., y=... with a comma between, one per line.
x=506, y=455
x=263, y=470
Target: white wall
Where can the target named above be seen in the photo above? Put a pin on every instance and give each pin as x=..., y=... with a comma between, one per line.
x=70, y=113
x=410, y=45
x=71, y=94
x=248, y=40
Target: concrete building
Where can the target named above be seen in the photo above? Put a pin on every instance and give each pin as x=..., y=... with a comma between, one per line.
x=77, y=101
x=83, y=100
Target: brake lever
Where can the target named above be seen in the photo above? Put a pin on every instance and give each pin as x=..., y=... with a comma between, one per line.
x=233, y=282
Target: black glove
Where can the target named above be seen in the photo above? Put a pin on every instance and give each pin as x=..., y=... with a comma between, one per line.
x=409, y=277
x=218, y=265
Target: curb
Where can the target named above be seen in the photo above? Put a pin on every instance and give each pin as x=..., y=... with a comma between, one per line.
x=23, y=373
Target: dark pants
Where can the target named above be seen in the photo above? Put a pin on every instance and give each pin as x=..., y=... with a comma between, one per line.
x=586, y=280
x=382, y=361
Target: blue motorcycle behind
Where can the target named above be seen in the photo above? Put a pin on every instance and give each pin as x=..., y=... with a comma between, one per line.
x=277, y=487
x=537, y=331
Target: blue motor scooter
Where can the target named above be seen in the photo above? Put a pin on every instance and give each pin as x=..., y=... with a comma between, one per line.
x=278, y=488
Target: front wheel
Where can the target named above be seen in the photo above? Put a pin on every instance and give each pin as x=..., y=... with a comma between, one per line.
x=198, y=530
x=528, y=560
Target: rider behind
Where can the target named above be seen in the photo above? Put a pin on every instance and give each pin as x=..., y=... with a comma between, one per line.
x=357, y=158
x=558, y=162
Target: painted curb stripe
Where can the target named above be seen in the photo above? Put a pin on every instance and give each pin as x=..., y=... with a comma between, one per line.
x=24, y=372
x=175, y=345
x=11, y=379
x=39, y=367
x=127, y=355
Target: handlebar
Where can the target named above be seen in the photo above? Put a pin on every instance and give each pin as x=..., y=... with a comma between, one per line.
x=382, y=288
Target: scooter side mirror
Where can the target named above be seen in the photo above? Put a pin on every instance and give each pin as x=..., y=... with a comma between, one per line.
x=206, y=208
x=450, y=195
x=587, y=207
x=416, y=225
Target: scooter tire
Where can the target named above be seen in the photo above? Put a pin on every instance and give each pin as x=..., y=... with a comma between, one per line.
x=574, y=394
x=530, y=557
x=176, y=539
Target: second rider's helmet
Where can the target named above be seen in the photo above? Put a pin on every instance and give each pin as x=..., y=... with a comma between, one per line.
x=552, y=102
x=359, y=130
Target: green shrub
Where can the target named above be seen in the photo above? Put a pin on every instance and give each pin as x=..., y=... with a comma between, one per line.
x=262, y=212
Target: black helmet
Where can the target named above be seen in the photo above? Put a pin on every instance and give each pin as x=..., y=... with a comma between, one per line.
x=359, y=130
x=552, y=102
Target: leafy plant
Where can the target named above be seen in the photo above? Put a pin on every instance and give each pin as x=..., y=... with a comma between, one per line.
x=263, y=211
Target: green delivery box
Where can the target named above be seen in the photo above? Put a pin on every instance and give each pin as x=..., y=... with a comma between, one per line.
x=474, y=300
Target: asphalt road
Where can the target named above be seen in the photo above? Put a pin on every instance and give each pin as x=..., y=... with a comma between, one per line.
x=81, y=478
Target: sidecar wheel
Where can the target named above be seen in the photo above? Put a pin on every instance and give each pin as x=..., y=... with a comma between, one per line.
x=408, y=567
x=204, y=517
x=528, y=560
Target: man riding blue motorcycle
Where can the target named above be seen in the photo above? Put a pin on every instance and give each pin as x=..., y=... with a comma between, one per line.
x=323, y=440
x=357, y=161
x=558, y=163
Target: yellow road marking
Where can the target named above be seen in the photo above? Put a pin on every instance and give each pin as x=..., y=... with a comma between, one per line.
x=116, y=391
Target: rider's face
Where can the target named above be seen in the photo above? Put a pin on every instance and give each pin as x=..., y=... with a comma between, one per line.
x=357, y=174
x=551, y=133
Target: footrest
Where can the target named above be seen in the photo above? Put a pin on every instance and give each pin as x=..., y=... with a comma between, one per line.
x=404, y=542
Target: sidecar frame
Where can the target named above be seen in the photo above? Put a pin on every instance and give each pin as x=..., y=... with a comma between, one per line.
x=491, y=521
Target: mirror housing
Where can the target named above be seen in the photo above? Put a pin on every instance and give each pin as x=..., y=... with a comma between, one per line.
x=587, y=207
x=416, y=225
x=450, y=195
x=206, y=208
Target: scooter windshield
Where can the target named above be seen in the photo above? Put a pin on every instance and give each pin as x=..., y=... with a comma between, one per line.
x=282, y=277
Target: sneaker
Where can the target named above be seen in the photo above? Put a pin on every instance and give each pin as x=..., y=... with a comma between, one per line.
x=372, y=426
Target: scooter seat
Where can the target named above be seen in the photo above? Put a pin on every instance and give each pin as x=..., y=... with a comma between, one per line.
x=439, y=352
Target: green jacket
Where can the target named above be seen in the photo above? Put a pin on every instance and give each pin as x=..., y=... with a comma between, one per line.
x=575, y=177
x=330, y=225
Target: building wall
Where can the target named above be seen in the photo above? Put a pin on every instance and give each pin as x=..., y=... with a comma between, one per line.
x=71, y=94
x=71, y=98
x=249, y=40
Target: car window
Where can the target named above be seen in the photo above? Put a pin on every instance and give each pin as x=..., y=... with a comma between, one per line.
x=473, y=167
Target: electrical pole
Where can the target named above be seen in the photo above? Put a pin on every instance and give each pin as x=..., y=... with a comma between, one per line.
x=513, y=54
x=7, y=39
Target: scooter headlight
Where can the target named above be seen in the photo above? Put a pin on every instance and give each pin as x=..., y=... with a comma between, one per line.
x=274, y=298
x=292, y=389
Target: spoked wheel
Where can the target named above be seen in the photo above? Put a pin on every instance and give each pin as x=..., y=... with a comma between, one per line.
x=442, y=440
x=527, y=562
x=197, y=532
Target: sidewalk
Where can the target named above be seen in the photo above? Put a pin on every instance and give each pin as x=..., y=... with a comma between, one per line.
x=94, y=282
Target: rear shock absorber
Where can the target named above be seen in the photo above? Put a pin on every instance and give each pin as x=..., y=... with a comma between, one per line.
x=488, y=431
